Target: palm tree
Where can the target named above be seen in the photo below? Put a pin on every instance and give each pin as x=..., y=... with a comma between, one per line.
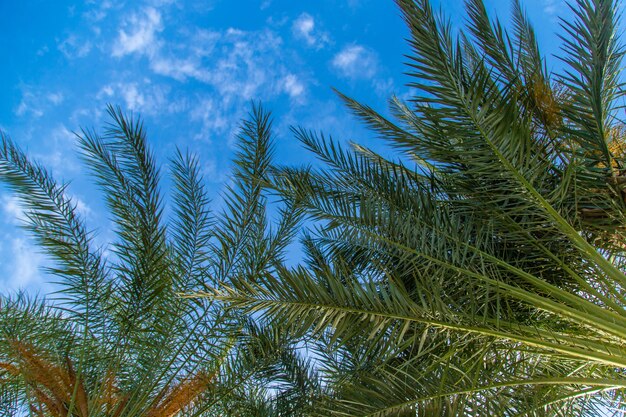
x=481, y=271
x=118, y=339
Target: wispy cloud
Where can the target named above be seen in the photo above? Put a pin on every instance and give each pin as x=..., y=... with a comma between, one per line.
x=35, y=101
x=20, y=262
x=356, y=62
x=230, y=66
x=23, y=266
x=74, y=47
x=384, y=87
x=13, y=209
x=28, y=105
x=98, y=11
x=144, y=97
x=235, y=62
x=212, y=115
x=304, y=28
x=55, y=98
x=293, y=86
x=140, y=34
x=550, y=6
x=81, y=207
x=58, y=154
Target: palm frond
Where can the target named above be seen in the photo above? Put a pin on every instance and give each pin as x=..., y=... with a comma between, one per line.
x=495, y=231
x=127, y=342
x=52, y=217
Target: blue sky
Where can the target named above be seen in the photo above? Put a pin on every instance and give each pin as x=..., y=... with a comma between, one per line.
x=190, y=69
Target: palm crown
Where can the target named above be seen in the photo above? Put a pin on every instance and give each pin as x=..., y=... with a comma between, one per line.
x=119, y=339
x=482, y=271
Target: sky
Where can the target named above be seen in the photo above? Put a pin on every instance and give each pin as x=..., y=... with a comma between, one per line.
x=191, y=69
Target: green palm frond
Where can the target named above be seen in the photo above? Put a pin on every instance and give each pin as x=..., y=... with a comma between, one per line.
x=192, y=229
x=53, y=219
x=496, y=234
x=125, y=341
x=593, y=57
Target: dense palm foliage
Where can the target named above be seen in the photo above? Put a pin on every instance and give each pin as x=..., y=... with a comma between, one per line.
x=481, y=272
x=118, y=339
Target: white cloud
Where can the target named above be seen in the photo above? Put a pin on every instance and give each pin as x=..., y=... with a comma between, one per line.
x=383, y=87
x=25, y=264
x=99, y=11
x=143, y=97
x=293, y=86
x=106, y=91
x=55, y=98
x=73, y=47
x=133, y=98
x=304, y=28
x=81, y=207
x=244, y=66
x=161, y=3
x=236, y=65
x=234, y=62
x=13, y=209
x=142, y=35
x=179, y=69
x=24, y=107
x=550, y=7
x=239, y=65
x=30, y=104
x=213, y=117
x=42, y=51
x=58, y=154
x=36, y=101
x=19, y=260
x=247, y=65
x=355, y=61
